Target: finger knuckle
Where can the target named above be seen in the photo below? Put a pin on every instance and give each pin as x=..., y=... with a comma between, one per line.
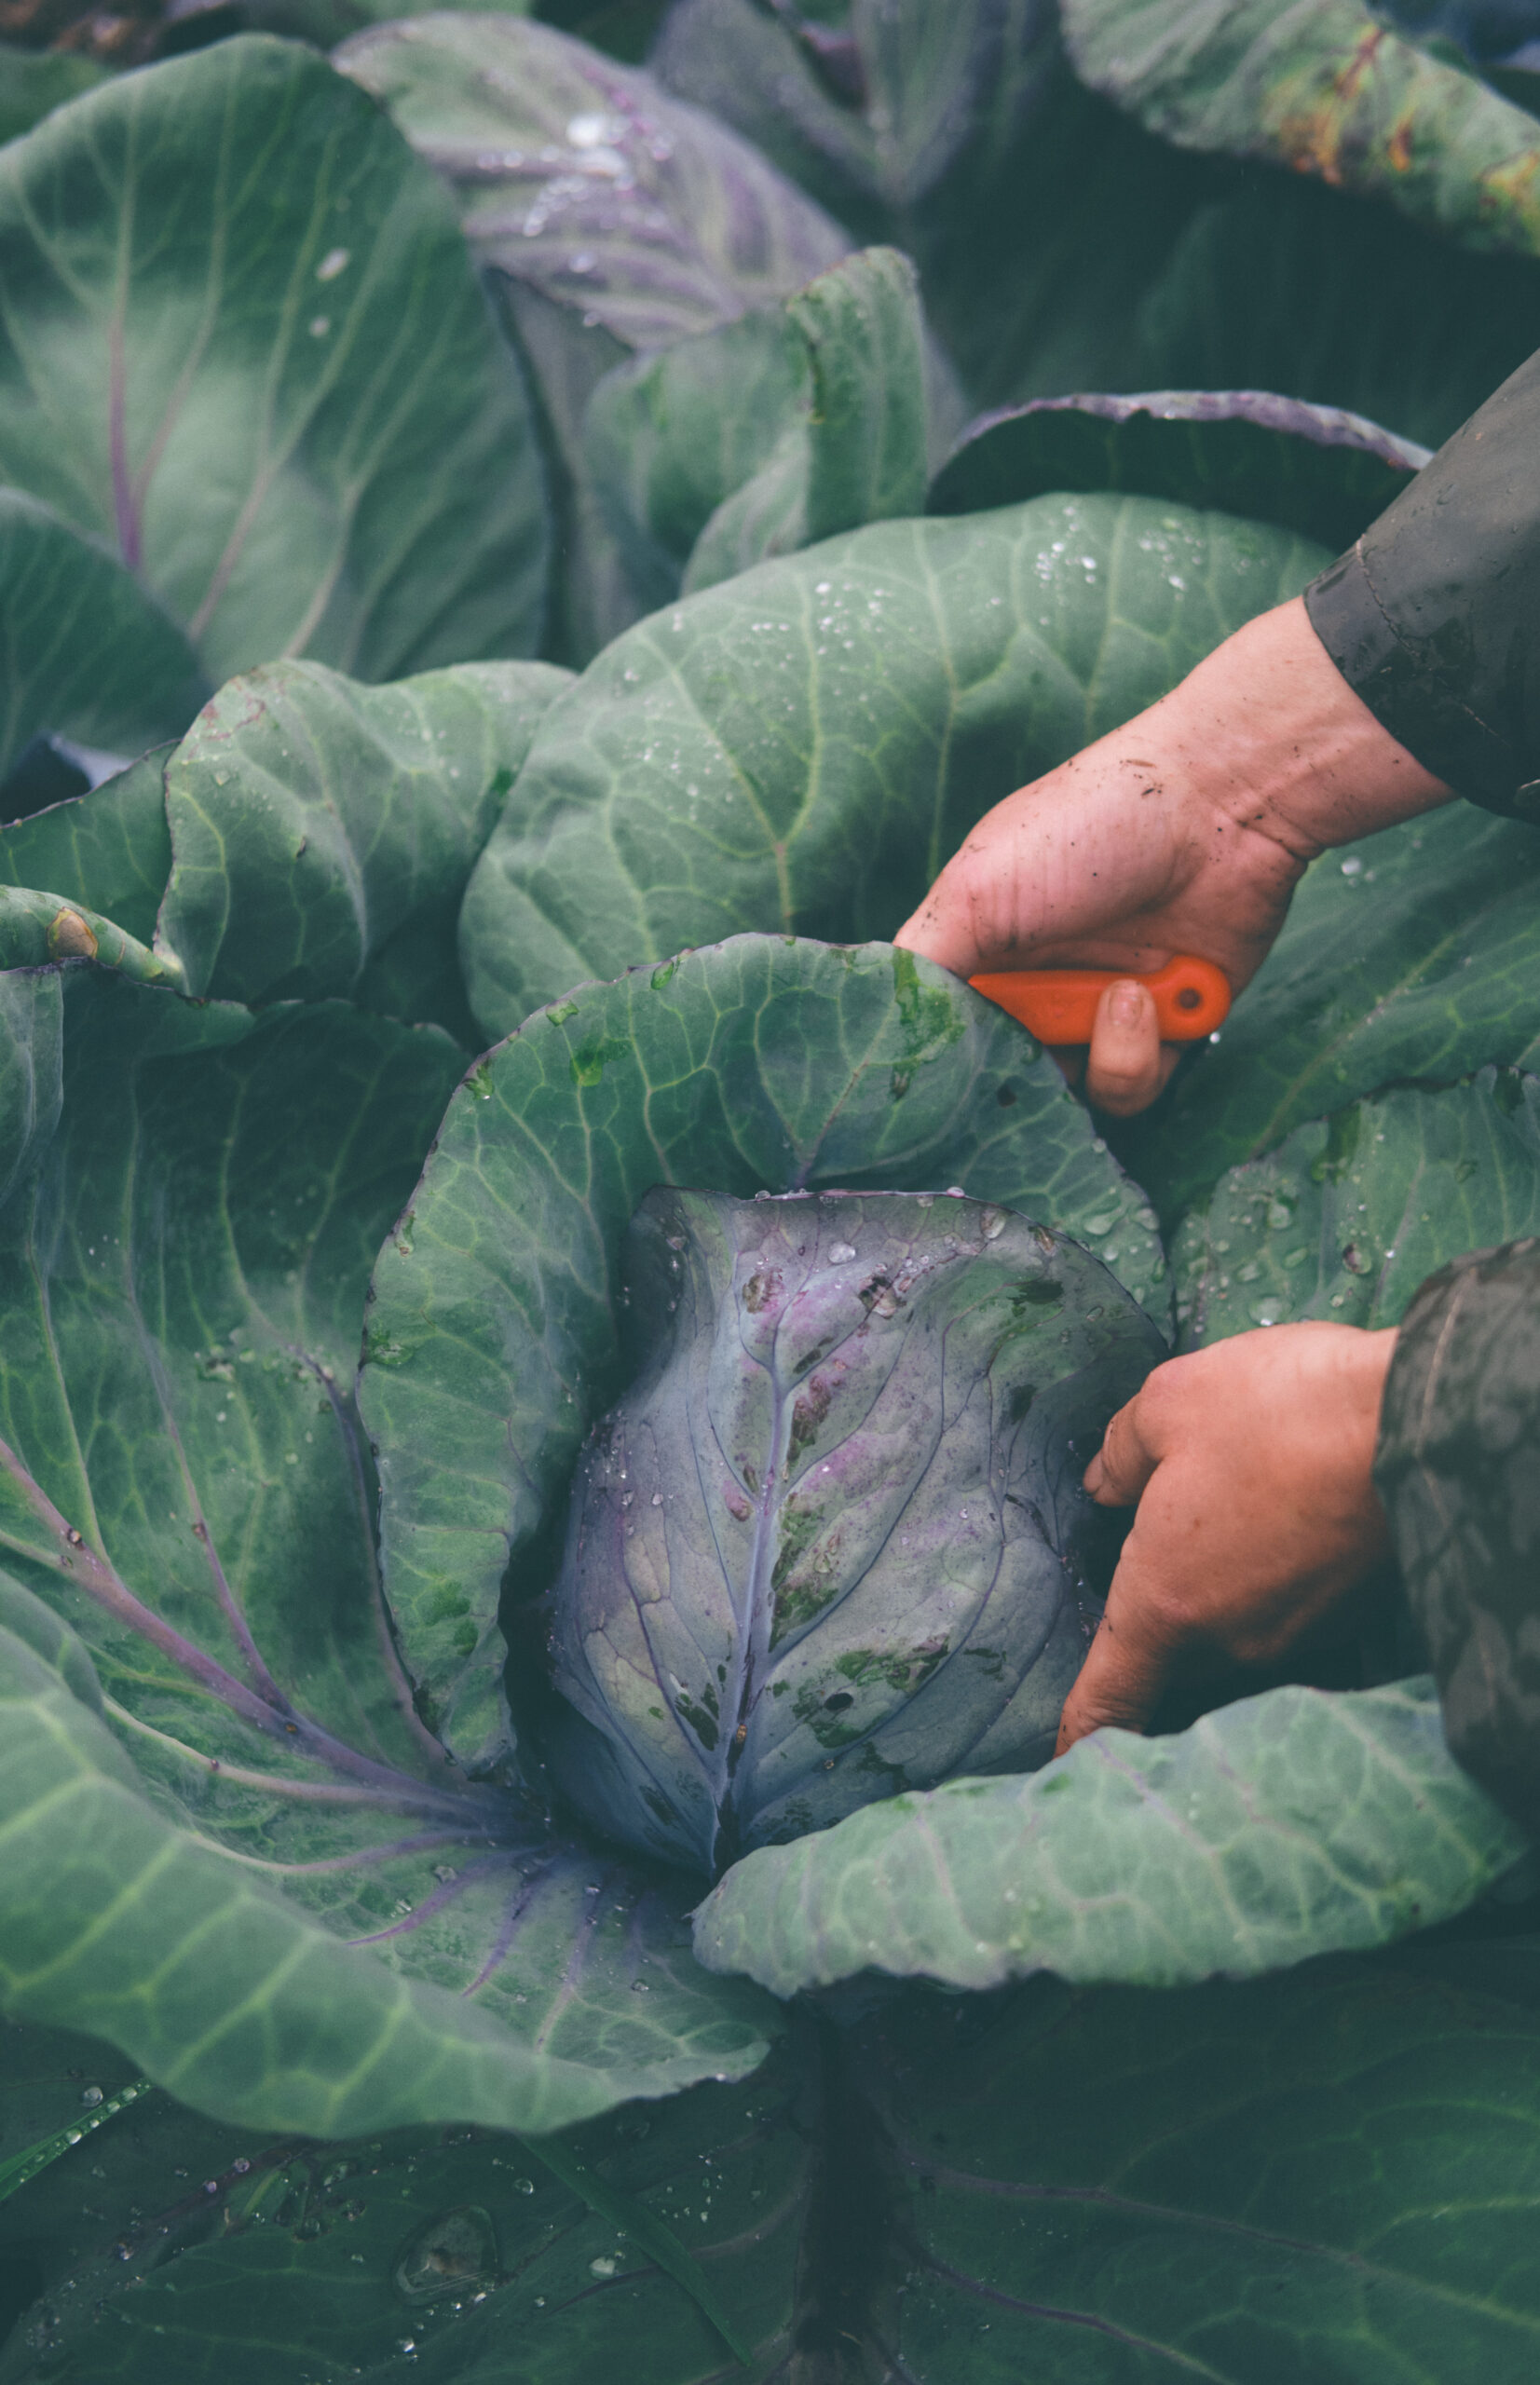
x=1172, y=1387
x=1159, y=1397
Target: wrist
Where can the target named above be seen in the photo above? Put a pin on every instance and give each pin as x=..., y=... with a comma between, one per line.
x=1341, y=1388
x=1284, y=747
x=1365, y=1361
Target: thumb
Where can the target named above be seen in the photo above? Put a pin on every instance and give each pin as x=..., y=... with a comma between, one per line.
x=1124, y=1670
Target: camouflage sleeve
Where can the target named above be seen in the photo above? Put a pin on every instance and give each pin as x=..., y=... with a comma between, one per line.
x=1458, y=1468
x=1434, y=616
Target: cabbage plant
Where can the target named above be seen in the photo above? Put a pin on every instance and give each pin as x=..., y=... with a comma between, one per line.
x=281, y=1774
x=545, y=1364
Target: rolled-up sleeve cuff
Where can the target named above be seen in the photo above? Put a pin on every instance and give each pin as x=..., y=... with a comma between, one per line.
x=1410, y=697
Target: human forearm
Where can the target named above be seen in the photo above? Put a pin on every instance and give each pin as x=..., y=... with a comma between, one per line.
x=1284, y=748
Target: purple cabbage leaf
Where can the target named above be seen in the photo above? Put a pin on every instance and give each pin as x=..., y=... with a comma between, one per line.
x=831, y=1544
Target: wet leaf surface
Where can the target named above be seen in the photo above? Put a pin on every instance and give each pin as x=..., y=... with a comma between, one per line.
x=1352, y=1212
x=802, y=748
x=943, y=2193
x=1407, y=957
x=227, y=275
x=1290, y=1824
x=1324, y=88
x=186, y=1483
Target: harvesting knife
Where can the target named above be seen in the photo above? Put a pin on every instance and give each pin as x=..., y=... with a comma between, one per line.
x=1059, y=1006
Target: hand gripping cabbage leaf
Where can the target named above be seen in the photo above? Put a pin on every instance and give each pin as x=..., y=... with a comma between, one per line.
x=831, y=1544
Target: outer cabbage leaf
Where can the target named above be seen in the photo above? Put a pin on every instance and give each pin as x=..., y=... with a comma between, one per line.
x=244, y=346
x=1283, y=283
x=42, y=2099
x=323, y=833
x=1311, y=468
x=30, y=1070
x=54, y=2238
x=1322, y=87
x=763, y=1064
x=1329, y=2174
x=1282, y=2180
x=33, y=83
x=324, y=22
x=585, y=180
x=118, y=1923
x=932, y=95
x=832, y=1543
x=1295, y=1823
x=109, y=849
x=292, y=2261
x=1413, y=954
x=1170, y=268
x=83, y=651
x=308, y=836
x=669, y=437
x=1352, y=1212
x=956, y=134
x=614, y=221
x=804, y=747
x=183, y=1263
x=769, y=433
x=37, y=927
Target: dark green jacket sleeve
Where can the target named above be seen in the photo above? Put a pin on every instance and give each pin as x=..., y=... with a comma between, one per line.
x=1458, y=1469
x=1434, y=616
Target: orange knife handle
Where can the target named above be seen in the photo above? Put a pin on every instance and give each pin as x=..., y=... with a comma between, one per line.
x=1059, y=1006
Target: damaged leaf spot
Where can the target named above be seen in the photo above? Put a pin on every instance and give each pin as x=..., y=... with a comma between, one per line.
x=69, y=937
x=811, y=1407
x=453, y=2251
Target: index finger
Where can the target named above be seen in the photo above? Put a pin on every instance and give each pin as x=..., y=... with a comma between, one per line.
x=1125, y=1667
x=1118, y=1473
